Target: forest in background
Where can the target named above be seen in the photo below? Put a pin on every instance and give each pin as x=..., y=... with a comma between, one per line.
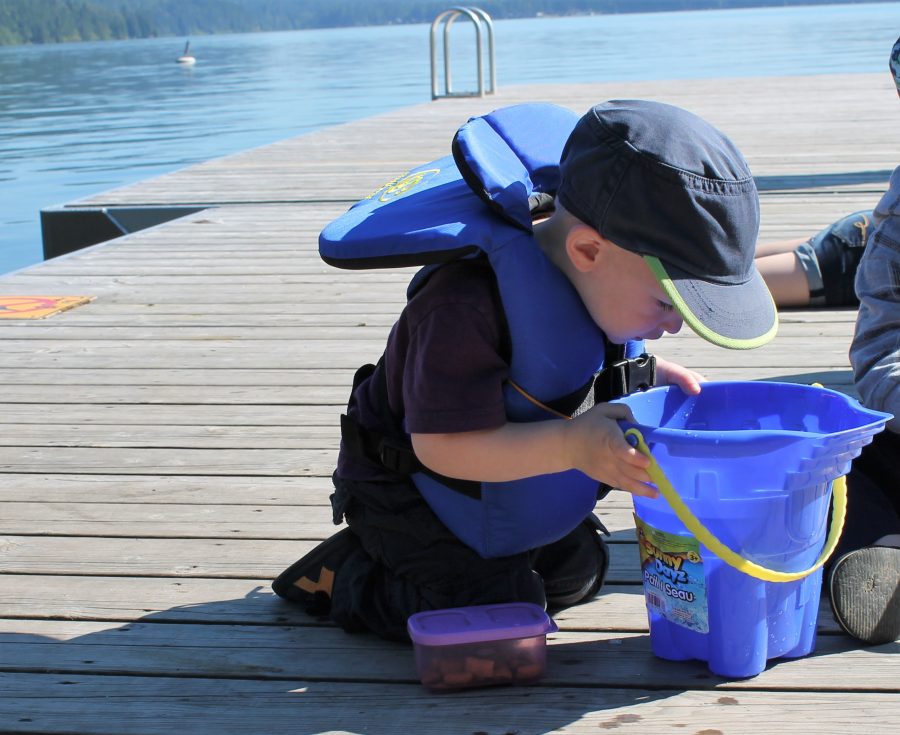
x=54, y=21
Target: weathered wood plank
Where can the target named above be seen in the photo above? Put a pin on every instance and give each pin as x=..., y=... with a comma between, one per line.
x=49, y=703
x=307, y=395
x=190, y=490
x=361, y=327
x=190, y=461
x=323, y=353
x=250, y=601
x=211, y=558
x=197, y=437
x=173, y=489
x=139, y=414
x=579, y=658
x=199, y=520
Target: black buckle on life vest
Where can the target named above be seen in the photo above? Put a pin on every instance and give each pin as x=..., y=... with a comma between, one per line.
x=391, y=454
x=625, y=376
x=398, y=458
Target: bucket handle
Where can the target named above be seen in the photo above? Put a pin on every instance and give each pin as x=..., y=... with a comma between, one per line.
x=732, y=558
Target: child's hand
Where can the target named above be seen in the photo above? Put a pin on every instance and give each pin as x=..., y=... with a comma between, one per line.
x=598, y=448
x=670, y=373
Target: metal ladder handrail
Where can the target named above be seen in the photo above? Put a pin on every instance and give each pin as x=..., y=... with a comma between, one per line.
x=481, y=20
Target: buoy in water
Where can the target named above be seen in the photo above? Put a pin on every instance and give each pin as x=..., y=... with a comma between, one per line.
x=186, y=59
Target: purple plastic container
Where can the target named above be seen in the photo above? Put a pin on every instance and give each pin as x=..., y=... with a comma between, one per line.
x=483, y=645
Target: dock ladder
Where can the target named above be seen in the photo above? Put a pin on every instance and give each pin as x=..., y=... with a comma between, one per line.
x=484, y=33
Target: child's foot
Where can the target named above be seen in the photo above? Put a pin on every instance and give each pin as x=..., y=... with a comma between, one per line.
x=310, y=581
x=865, y=593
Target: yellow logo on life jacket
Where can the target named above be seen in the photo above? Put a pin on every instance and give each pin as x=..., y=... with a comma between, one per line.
x=402, y=184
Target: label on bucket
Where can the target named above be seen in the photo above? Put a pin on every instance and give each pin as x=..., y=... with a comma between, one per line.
x=674, y=582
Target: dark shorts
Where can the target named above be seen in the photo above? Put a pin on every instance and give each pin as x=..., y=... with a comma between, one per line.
x=830, y=260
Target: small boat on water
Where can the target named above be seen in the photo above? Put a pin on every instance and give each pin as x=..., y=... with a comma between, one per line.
x=186, y=59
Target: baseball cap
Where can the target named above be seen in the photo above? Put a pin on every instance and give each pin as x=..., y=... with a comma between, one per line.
x=661, y=182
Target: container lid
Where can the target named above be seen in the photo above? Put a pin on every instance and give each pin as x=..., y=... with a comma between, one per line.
x=479, y=623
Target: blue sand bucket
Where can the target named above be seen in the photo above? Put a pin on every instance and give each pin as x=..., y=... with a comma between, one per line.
x=732, y=550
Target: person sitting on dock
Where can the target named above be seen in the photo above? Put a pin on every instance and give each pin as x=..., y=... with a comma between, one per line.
x=863, y=580
x=655, y=223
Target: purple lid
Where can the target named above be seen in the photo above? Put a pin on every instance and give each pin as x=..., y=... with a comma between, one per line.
x=479, y=623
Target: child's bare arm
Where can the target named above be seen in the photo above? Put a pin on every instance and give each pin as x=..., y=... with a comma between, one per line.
x=592, y=443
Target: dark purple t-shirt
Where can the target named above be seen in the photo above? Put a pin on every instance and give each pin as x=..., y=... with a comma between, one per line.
x=445, y=363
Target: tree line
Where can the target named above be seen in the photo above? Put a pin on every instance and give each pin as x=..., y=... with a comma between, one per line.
x=52, y=21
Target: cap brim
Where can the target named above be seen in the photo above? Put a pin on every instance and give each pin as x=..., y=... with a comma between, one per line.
x=737, y=316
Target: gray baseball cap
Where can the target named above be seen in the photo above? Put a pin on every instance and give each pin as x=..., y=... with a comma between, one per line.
x=661, y=182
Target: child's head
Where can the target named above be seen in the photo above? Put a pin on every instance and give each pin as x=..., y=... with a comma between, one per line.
x=676, y=194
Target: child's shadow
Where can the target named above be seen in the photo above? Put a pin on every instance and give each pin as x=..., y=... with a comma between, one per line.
x=259, y=665
x=278, y=670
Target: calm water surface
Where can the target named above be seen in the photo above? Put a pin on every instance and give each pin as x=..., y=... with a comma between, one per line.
x=77, y=119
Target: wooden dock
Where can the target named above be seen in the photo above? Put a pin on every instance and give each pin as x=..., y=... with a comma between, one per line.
x=167, y=448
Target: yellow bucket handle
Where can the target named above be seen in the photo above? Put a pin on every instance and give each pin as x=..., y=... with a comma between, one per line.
x=705, y=537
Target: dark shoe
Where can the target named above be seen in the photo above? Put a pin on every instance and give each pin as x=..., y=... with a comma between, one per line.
x=865, y=593
x=310, y=580
x=574, y=568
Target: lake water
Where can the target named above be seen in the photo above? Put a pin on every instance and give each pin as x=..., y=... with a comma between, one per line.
x=78, y=119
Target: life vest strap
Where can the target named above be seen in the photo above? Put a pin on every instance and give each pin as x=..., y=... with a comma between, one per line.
x=621, y=376
x=396, y=455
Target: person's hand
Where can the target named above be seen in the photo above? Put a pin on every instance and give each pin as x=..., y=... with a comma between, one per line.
x=671, y=373
x=598, y=448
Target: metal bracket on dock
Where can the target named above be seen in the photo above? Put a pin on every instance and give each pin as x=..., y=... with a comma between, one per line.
x=484, y=27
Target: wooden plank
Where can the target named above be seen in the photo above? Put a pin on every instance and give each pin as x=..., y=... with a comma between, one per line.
x=139, y=376
x=198, y=437
x=197, y=414
x=328, y=395
x=190, y=490
x=47, y=331
x=49, y=703
x=577, y=658
x=321, y=354
x=189, y=461
x=200, y=520
x=341, y=379
x=618, y=607
x=174, y=489
x=207, y=558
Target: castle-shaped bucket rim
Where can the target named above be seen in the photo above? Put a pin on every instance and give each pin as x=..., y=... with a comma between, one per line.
x=871, y=421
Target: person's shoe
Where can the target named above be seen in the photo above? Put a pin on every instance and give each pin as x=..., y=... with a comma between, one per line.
x=310, y=580
x=864, y=587
x=574, y=568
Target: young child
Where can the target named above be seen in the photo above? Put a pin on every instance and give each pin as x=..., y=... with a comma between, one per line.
x=655, y=224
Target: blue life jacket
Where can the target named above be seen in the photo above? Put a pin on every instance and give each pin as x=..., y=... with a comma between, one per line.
x=476, y=202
